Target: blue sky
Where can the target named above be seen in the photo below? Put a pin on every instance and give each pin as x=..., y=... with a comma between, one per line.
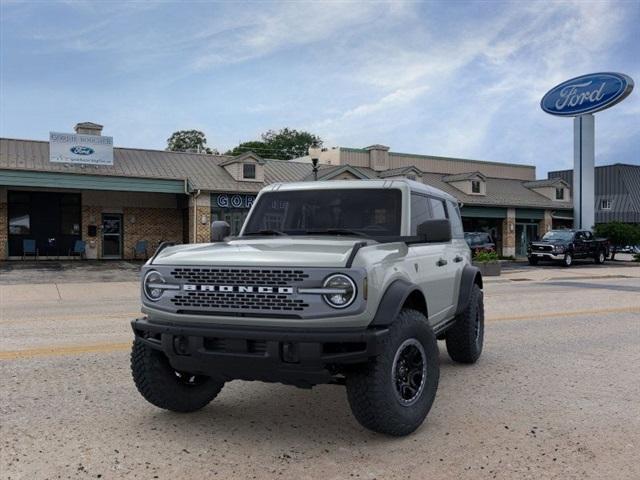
x=461, y=79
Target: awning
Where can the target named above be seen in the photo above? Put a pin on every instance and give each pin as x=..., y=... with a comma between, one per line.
x=483, y=212
x=30, y=178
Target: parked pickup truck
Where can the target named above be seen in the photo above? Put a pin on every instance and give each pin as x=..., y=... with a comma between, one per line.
x=566, y=245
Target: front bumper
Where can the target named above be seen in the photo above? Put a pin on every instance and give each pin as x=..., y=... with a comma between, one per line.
x=303, y=358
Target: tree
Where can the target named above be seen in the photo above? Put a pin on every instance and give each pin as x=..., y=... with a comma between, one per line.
x=619, y=234
x=257, y=147
x=284, y=144
x=289, y=144
x=188, y=141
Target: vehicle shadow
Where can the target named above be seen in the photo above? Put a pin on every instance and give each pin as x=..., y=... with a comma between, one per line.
x=252, y=412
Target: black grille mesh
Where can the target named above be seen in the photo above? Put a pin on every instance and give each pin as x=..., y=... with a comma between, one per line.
x=236, y=276
x=238, y=301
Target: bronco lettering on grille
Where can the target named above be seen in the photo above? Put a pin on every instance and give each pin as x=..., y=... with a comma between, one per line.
x=237, y=289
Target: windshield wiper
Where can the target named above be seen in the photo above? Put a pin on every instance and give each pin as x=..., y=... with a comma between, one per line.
x=266, y=232
x=337, y=231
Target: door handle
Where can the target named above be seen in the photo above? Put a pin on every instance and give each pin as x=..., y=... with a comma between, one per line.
x=457, y=259
x=441, y=263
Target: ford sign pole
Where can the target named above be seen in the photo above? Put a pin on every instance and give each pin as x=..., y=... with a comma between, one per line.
x=580, y=97
x=584, y=171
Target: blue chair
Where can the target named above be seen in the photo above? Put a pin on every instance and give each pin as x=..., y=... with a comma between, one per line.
x=29, y=248
x=141, y=248
x=79, y=248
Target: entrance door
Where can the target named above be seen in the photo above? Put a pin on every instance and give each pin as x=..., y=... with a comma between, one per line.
x=525, y=233
x=111, y=235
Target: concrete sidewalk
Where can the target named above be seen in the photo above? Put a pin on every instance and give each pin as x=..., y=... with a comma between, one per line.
x=580, y=271
x=78, y=271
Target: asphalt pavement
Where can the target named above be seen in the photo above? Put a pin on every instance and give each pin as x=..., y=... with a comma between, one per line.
x=555, y=394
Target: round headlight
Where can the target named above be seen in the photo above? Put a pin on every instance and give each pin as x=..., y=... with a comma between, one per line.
x=343, y=291
x=560, y=248
x=152, y=285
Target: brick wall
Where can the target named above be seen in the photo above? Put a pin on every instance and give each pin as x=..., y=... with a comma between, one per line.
x=509, y=233
x=92, y=215
x=545, y=224
x=152, y=224
x=202, y=219
x=203, y=231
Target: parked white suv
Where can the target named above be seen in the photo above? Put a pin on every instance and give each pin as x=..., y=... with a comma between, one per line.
x=344, y=282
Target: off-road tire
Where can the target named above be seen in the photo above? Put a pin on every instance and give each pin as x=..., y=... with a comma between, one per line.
x=161, y=385
x=532, y=260
x=567, y=261
x=466, y=337
x=600, y=257
x=372, y=388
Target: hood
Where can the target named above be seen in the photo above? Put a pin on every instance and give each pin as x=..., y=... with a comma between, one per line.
x=264, y=251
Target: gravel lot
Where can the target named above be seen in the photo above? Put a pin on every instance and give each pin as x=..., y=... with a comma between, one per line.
x=555, y=394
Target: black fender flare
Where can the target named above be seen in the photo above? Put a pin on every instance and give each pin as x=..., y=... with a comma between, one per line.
x=392, y=301
x=470, y=276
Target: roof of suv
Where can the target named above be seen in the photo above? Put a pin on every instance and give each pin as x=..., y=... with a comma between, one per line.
x=358, y=184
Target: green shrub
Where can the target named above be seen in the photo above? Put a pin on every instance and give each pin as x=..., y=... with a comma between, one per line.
x=618, y=234
x=636, y=257
x=484, y=257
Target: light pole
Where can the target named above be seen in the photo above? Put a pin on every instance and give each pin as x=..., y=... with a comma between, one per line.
x=314, y=153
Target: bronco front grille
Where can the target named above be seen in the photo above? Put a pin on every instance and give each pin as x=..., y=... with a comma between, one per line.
x=236, y=276
x=238, y=301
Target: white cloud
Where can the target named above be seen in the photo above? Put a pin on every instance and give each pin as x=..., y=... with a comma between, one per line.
x=484, y=83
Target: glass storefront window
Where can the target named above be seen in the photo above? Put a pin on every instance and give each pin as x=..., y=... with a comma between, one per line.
x=19, y=221
x=52, y=219
x=70, y=220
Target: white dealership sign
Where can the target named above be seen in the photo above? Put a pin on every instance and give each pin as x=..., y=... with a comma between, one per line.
x=77, y=149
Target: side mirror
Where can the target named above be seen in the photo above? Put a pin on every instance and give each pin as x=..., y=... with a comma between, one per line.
x=434, y=231
x=219, y=230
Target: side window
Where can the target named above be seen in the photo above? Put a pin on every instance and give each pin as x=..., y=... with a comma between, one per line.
x=456, y=222
x=437, y=208
x=419, y=211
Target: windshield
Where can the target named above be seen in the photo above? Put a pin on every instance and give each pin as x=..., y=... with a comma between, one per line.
x=558, y=235
x=363, y=211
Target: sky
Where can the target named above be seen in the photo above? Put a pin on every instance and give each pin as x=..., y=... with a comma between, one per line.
x=451, y=78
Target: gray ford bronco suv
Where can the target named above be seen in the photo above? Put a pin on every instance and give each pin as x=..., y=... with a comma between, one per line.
x=343, y=282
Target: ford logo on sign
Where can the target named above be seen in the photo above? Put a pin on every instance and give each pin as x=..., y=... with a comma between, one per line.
x=79, y=150
x=587, y=94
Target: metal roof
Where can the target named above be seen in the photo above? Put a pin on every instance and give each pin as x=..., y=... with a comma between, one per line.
x=463, y=176
x=205, y=172
x=619, y=184
x=201, y=170
x=547, y=182
x=399, y=171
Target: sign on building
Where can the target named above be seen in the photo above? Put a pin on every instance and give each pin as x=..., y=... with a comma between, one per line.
x=80, y=149
x=225, y=200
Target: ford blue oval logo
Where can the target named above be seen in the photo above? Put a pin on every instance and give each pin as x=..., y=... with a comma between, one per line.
x=79, y=150
x=587, y=94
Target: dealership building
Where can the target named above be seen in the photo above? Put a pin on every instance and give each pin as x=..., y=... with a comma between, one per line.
x=617, y=192
x=113, y=199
